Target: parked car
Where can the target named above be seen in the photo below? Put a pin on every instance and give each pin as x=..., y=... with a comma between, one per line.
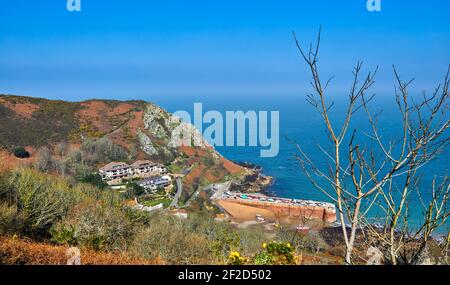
x=260, y=218
x=303, y=229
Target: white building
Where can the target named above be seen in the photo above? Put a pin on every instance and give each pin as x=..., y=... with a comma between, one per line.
x=144, y=166
x=153, y=183
x=115, y=170
x=162, y=169
x=140, y=168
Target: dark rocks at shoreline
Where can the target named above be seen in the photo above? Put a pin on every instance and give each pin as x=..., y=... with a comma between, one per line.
x=249, y=165
x=253, y=181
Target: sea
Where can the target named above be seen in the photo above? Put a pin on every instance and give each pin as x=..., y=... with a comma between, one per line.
x=300, y=124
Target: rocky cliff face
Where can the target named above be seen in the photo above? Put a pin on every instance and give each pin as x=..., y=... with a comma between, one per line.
x=162, y=134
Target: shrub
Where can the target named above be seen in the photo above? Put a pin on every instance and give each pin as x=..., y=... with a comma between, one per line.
x=236, y=259
x=103, y=149
x=98, y=227
x=62, y=148
x=75, y=156
x=224, y=238
x=94, y=179
x=160, y=190
x=6, y=189
x=172, y=240
x=39, y=199
x=313, y=242
x=63, y=234
x=134, y=190
x=20, y=152
x=251, y=239
x=11, y=221
x=43, y=206
x=225, y=242
x=44, y=160
x=262, y=258
x=275, y=253
x=138, y=218
x=80, y=170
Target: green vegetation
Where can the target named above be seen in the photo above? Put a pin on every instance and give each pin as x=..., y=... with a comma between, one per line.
x=79, y=164
x=273, y=253
x=175, y=168
x=208, y=161
x=127, y=134
x=31, y=203
x=134, y=190
x=47, y=208
x=279, y=253
x=85, y=130
x=94, y=179
x=75, y=208
x=164, y=200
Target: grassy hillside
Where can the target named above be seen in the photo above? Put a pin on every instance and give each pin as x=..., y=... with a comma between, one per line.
x=27, y=121
x=35, y=122
x=41, y=215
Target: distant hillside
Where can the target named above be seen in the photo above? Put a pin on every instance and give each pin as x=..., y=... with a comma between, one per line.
x=27, y=121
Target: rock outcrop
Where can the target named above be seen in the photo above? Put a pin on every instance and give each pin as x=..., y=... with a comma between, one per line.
x=164, y=133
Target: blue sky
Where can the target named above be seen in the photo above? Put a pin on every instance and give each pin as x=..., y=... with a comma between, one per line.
x=143, y=49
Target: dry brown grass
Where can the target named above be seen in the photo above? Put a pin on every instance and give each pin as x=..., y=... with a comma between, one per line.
x=15, y=251
x=231, y=167
x=98, y=113
x=321, y=259
x=195, y=173
x=8, y=161
x=25, y=110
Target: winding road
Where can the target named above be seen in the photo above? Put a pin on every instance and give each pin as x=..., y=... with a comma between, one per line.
x=178, y=194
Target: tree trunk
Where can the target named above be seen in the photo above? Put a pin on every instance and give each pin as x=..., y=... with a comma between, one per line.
x=350, y=245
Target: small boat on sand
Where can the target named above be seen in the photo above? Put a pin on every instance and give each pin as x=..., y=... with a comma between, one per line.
x=303, y=229
x=260, y=218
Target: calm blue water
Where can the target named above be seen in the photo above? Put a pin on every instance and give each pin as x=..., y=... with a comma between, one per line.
x=300, y=123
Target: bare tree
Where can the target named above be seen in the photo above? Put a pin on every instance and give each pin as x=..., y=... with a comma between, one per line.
x=401, y=242
x=62, y=148
x=422, y=140
x=436, y=211
x=360, y=172
x=44, y=160
x=446, y=245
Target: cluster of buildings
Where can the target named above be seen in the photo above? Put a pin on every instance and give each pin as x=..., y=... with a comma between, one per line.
x=153, y=183
x=278, y=200
x=140, y=168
